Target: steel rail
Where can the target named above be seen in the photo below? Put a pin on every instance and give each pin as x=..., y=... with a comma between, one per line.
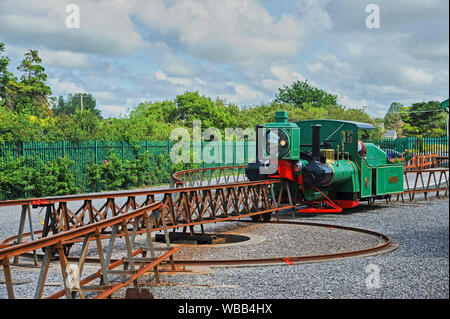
x=72, y=198
x=386, y=245
x=195, y=177
x=8, y=240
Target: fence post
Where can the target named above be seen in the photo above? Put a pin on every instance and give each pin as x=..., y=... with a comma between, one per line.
x=96, y=152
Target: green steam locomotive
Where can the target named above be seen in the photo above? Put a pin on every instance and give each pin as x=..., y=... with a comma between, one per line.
x=326, y=166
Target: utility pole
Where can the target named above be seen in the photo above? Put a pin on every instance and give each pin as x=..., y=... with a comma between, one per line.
x=81, y=101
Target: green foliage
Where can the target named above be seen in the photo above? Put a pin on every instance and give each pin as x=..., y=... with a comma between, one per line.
x=393, y=118
x=75, y=102
x=145, y=170
x=53, y=179
x=30, y=94
x=5, y=75
x=301, y=92
x=31, y=177
x=424, y=119
x=15, y=178
x=408, y=154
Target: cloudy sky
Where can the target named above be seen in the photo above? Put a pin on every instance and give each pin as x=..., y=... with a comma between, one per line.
x=125, y=52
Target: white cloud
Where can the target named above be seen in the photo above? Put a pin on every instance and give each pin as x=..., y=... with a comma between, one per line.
x=283, y=75
x=224, y=31
x=65, y=59
x=417, y=76
x=241, y=50
x=242, y=94
x=113, y=110
x=353, y=104
x=60, y=87
x=105, y=26
x=161, y=76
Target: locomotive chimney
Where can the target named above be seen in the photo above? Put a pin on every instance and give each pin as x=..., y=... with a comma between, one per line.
x=316, y=141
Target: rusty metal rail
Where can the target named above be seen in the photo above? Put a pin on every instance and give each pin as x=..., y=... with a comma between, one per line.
x=186, y=207
x=385, y=244
x=209, y=176
x=426, y=184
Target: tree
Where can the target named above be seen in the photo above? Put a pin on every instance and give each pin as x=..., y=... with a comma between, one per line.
x=5, y=75
x=30, y=95
x=191, y=106
x=425, y=119
x=77, y=101
x=301, y=92
x=393, y=118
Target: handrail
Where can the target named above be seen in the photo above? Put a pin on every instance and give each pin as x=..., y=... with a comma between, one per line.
x=420, y=162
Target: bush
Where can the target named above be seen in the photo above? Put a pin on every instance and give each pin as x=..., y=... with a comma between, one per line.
x=31, y=177
x=145, y=170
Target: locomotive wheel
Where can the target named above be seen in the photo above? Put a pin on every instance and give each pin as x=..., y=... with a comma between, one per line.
x=264, y=217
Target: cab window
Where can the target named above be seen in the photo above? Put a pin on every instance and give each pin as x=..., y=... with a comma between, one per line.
x=347, y=137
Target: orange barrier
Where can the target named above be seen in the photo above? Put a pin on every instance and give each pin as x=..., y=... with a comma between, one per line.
x=420, y=162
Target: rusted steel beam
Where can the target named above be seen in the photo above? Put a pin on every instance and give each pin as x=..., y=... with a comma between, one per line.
x=71, y=276
x=136, y=275
x=16, y=250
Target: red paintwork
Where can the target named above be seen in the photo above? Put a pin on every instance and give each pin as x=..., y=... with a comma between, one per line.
x=347, y=203
x=311, y=209
x=285, y=170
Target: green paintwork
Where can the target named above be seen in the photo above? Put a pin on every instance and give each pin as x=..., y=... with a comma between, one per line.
x=375, y=156
x=365, y=180
x=293, y=133
x=372, y=175
x=361, y=170
x=311, y=195
x=444, y=104
x=389, y=179
x=331, y=131
x=344, y=173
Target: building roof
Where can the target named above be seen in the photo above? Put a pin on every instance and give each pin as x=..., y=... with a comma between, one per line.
x=359, y=125
x=390, y=134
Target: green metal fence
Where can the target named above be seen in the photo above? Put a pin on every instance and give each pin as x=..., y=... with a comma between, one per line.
x=418, y=146
x=425, y=145
x=86, y=153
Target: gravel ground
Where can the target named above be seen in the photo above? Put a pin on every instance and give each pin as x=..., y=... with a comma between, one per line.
x=280, y=240
x=418, y=269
